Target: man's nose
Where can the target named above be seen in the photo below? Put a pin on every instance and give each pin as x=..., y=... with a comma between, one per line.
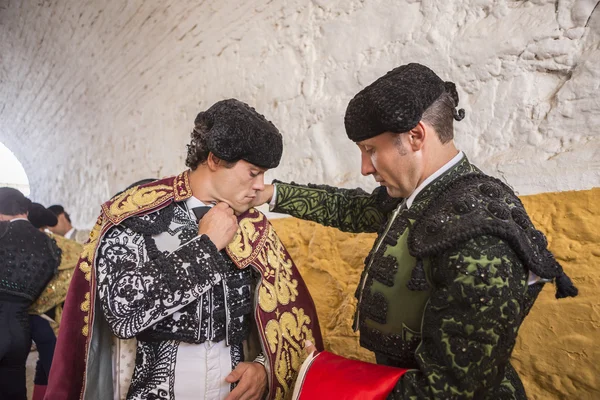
x=259, y=183
x=366, y=166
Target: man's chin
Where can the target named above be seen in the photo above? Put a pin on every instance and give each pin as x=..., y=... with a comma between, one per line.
x=240, y=209
x=395, y=193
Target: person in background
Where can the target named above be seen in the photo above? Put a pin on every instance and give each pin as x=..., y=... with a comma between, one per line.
x=45, y=312
x=64, y=226
x=28, y=260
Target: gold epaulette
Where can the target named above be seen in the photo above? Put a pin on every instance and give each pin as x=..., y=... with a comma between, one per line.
x=145, y=198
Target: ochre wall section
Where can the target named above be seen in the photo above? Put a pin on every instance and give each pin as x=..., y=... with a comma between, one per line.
x=558, y=350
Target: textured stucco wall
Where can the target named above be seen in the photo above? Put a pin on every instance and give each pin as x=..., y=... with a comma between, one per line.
x=97, y=95
x=558, y=348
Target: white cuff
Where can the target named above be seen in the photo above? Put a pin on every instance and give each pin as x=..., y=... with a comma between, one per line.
x=261, y=359
x=274, y=198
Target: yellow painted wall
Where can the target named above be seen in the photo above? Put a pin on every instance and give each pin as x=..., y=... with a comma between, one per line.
x=558, y=350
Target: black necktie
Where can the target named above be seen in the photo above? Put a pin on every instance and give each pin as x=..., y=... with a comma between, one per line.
x=200, y=211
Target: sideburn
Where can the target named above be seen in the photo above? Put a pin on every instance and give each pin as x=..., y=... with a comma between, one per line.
x=399, y=145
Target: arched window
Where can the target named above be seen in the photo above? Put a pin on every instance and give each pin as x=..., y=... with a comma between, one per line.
x=12, y=173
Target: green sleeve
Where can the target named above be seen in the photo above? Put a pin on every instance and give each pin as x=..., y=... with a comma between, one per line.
x=350, y=210
x=470, y=324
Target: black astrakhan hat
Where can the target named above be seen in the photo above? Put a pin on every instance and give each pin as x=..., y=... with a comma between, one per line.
x=238, y=132
x=396, y=102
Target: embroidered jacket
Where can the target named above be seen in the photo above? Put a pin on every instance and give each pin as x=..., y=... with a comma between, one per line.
x=28, y=260
x=161, y=283
x=56, y=290
x=283, y=310
x=445, y=287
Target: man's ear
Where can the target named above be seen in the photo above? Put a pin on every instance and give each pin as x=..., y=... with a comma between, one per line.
x=213, y=162
x=417, y=136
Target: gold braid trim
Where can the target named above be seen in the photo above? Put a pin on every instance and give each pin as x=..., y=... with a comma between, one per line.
x=287, y=325
x=85, y=265
x=182, y=187
x=85, y=307
x=146, y=197
x=135, y=200
x=248, y=242
x=278, y=285
x=285, y=338
x=89, y=249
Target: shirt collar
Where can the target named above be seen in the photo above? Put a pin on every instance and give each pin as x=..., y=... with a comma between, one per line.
x=433, y=177
x=193, y=202
x=70, y=233
x=19, y=219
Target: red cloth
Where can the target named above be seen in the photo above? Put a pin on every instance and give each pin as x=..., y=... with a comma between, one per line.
x=334, y=377
x=68, y=366
x=38, y=392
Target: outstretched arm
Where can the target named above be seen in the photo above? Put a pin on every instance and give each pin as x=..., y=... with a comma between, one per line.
x=350, y=210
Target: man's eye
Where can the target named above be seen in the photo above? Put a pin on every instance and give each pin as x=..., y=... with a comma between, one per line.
x=252, y=174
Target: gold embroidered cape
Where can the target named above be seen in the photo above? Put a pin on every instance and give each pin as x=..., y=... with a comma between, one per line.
x=284, y=311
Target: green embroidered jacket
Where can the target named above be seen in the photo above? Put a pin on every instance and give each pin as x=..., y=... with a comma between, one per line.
x=445, y=287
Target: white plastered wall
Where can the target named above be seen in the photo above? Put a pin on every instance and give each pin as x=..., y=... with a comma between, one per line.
x=98, y=95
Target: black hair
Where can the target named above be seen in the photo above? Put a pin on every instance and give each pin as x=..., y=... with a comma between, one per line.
x=197, y=150
x=13, y=202
x=440, y=115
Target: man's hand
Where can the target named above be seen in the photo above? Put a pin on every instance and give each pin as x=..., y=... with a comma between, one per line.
x=263, y=196
x=309, y=347
x=219, y=224
x=252, y=381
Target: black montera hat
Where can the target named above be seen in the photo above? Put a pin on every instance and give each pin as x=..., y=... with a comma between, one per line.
x=396, y=102
x=238, y=132
x=40, y=216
